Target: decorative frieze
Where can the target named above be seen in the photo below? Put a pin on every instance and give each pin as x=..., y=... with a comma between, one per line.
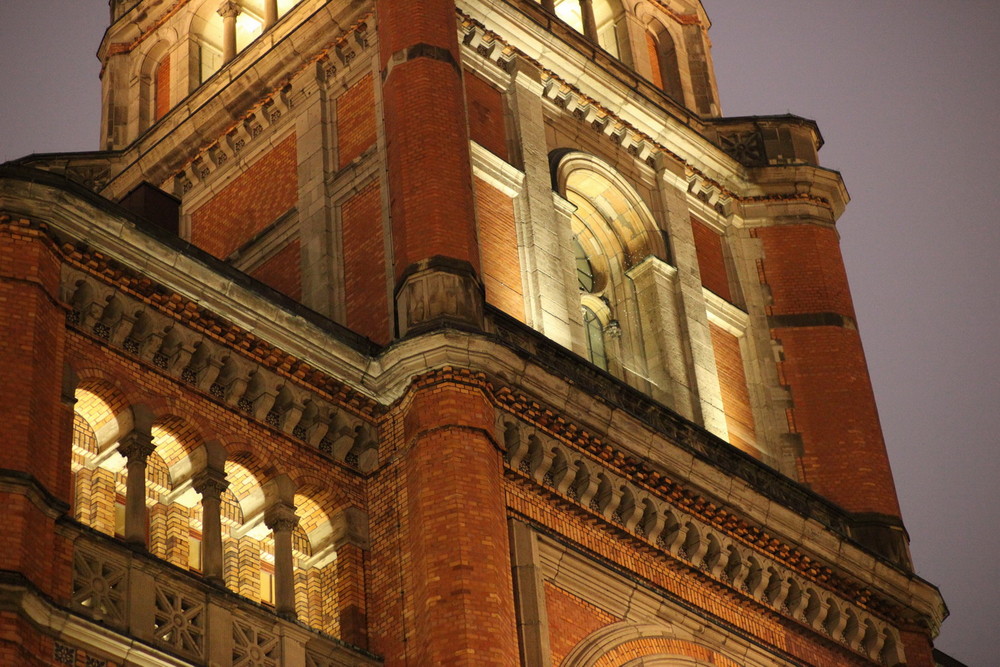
x=654, y=519
x=217, y=362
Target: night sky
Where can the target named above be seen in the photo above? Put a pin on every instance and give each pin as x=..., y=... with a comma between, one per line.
x=906, y=95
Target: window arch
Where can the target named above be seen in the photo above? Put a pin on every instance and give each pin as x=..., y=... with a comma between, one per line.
x=663, y=60
x=613, y=230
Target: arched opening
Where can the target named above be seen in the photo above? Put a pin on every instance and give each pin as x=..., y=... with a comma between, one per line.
x=154, y=84
x=663, y=60
x=101, y=417
x=606, y=16
x=613, y=230
x=207, y=33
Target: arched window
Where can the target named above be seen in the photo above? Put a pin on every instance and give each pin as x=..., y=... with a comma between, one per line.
x=613, y=230
x=595, y=18
x=663, y=60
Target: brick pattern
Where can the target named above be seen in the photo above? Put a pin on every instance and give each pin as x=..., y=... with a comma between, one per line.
x=804, y=270
x=262, y=193
x=355, y=120
x=652, y=50
x=570, y=620
x=824, y=368
x=365, y=265
x=161, y=89
x=426, y=131
x=650, y=566
x=659, y=646
x=37, y=425
x=283, y=270
x=711, y=259
x=498, y=249
x=735, y=395
x=463, y=599
x=439, y=555
x=834, y=413
x=486, y=115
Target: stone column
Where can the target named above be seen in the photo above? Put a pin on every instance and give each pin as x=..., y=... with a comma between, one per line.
x=589, y=20
x=229, y=10
x=270, y=13
x=136, y=448
x=281, y=520
x=211, y=484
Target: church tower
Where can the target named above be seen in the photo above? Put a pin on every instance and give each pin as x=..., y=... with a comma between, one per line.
x=438, y=332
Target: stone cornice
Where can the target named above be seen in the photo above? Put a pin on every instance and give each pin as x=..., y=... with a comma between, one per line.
x=625, y=134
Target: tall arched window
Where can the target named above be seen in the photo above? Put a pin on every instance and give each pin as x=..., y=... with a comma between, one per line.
x=663, y=60
x=613, y=230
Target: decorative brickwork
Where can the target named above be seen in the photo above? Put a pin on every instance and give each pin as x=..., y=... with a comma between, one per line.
x=258, y=196
x=365, y=280
x=499, y=250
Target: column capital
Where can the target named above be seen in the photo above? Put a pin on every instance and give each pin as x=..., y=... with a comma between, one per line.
x=210, y=483
x=136, y=445
x=280, y=517
x=229, y=9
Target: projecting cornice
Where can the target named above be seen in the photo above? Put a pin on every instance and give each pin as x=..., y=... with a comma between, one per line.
x=638, y=124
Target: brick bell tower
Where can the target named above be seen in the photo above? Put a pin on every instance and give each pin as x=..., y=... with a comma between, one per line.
x=420, y=332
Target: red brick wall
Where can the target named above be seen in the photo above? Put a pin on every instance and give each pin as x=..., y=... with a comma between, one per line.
x=711, y=259
x=463, y=603
x=834, y=413
x=427, y=133
x=805, y=271
x=570, y=620
x=498, y=250
x=735, y=395
x=258, y=196
x=486, y=116
x=355, y=120
x=283, y=270
x=824, y=367
x=364, y=264
x=161, y=88
x=37, y=424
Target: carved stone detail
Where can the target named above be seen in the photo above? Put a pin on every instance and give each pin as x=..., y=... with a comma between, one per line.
x=100, y=588
x=254, y=647
x=179, y=621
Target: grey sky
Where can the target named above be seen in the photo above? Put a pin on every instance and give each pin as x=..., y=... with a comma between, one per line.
x=906, y=95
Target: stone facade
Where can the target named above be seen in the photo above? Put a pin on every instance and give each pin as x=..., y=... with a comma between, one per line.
x=437, y=332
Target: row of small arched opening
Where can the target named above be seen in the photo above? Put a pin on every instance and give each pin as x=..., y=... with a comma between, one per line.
x=174, y=519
